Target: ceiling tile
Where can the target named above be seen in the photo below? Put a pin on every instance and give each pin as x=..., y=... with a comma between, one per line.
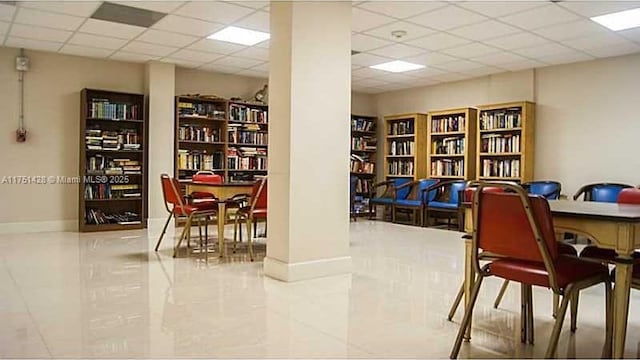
x=365, y=72
x=447, y=18
x=451, y=76
x=413, y=31
x=197, y=56
x=239, y=62
x=252, y=4
x=594, y=41
x=523, y=65
x=4, y=27
x=438, y=41
x=140, y=47
x=85, y=51
x=159, y=6
x=364, y=20
x=6, y=12
x=264, y=44
x=538, y=17
x=182, y=63
x=470, y=50
x=459, y=65
x=111, y=29
x=183, y=25
x=426, y=82
x=432, y=58
x=483, y=71
x=360, y=42
x=394, y=87
x=594, y=8
x=253, y=73
x=97, y=41
x=166, y=38
x=631, y=34
x=497, y=59
x=517, y=41
x=369, y=82
x=401, y=9
x=77, y=8
x=32, y=44
x=397, y=51
x=497, y=9
x=131, y=57
x=259, y=20
x=216, y=46
x=427, y=72
x=221, y=68
x=262, y=67
x=402, y=78
x=614, y=50
x=571, y=30
x=564, y=58
x=485, y=30
x=39, y=33
x=47, y=19
x=216, y=11
x=543, y=50
x=366, y=59
x=254, y=53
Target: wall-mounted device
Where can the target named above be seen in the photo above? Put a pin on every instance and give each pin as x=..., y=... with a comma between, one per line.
x=22, y=66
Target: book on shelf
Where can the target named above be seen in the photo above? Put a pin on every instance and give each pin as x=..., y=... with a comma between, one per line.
x=106, y=165
x=364, y=167
x=363, y=143
x=448, y=146
x=400, y=167
x=202, y=110
x=104, y=109
x=500, y=143
x=361, y=124
x=401, y=147
x=237, y=135
x=403, y=127
x=447, y=167
x=200, y=134
x=452, y=123
x=110, y=140
x=98, y=217
x=507, y=168
x=200, y=160
x=501, y=119
x=244, y=113
x=246, y=158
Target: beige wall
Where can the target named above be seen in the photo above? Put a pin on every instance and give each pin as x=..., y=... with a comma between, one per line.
x=363, y=104
x=585, y=129
x=190, y=81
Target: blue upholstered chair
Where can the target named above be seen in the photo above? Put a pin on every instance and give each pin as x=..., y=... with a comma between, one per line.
x=548, y=189
x=601, y=192
x=388, y=193
x=448, y=200
x=353, y=181
x=413, y=199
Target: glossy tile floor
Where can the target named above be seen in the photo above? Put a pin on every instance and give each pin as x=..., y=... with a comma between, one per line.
x=108, y=295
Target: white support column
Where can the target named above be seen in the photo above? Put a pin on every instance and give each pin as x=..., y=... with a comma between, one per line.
x=309, y=111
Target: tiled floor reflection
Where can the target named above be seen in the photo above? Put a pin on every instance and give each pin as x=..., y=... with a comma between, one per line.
x=108, y=295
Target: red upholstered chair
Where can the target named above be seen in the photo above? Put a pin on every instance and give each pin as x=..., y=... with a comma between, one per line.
x=205, y=177
x=518, y=228
x=255, y=210
x=177, y=206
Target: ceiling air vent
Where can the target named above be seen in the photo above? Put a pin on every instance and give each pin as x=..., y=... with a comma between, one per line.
x=127, y=15
x=354, y=52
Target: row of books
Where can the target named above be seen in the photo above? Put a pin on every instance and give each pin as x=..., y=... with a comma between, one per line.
x=111, y=191
x=501, y=119
x=360, y=204
x=200, y=160
x=247, y=114
x=448, y=124
x=105, y=165
x=496, y=143
x=362, y=167
x=204, y=110
x=196, y=133
x=448, y=146
x=501, y=168
x=405, y=147
x=359, y=124
x=400, y=167
x=103, y=109
x=248, y=137
x=404, y=127
x=98, y=139
x=246, y=163
x=247, y=152
x=363, y=143
x=97, y=216
x=363, y=185
x=447, y=167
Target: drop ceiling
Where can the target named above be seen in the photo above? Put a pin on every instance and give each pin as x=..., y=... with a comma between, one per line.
x=455, y=39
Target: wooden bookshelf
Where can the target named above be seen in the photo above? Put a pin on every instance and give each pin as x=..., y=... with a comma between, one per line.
x=452, y=144
x=405, y=146
x=364, y=146
x=505, y=141
x=112, y=194
x=247, y=141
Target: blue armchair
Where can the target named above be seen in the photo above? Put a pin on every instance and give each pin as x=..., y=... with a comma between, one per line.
x=388, y=193
x=414, y=200
x=353, y=181
x=448, y=200
x=601, y=192
x=548, y=189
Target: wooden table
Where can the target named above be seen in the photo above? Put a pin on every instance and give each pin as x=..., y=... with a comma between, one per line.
x=609, y=225
x=223, y=191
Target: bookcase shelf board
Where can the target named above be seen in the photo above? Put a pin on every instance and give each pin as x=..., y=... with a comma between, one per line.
x=451, y=143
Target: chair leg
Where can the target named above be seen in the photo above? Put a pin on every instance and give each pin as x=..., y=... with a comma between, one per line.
x=557, y=328
x=393, y=213
x=460, y=220
x=608, y=346
x=574, y=311
x=556, y=304
x=456, y=303
x=503, y=289
x=164, y=230
x=530, y=326
x=235, y=233
x=524, y=311
x=467, y=318
x=249, y=238
x=185, y=233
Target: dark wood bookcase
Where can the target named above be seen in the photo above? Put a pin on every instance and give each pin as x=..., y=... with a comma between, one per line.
x=364, y=146
x=112, y=193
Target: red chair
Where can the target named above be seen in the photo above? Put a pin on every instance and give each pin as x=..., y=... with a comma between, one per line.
x=518, y=228
x=254, y=211
x=177, y=206
x=205, y=177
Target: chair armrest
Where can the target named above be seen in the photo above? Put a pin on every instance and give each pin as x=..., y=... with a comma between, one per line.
x=581, y=191
x=410, y=183
x=373, y=190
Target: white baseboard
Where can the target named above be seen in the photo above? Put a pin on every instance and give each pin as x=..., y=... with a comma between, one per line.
x=38, y=226
x=308, y=269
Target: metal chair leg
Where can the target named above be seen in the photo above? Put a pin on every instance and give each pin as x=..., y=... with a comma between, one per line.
x=555, y=334
x=467, y=318
x=185, y=233
x=164, y=230
x=456, y=303
x=249, y=240
x=503, y=289
x=608, y=345
x=524, y=311
x=556, y=304
x=530, y=327
x=574, y=311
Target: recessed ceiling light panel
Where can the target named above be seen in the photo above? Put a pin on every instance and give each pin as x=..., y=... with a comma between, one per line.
x=619, y=20
x=240, y=36
x=397, y=66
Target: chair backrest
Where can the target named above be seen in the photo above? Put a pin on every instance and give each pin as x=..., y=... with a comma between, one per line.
x=601, y=192
x=548, y=189
x=259, y=194
x=403, y=192
x=171, y=191
x=629, y=196
x=207, y=177
x=423, y=185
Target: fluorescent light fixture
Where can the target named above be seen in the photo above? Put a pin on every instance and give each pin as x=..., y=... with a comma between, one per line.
x=619, y=20
x=397, y=66
x=240, y=36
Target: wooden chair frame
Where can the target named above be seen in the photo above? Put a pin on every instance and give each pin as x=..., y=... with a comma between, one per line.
x=458, y=212
x=247, y=215
x=388, y=192
x=414, y=194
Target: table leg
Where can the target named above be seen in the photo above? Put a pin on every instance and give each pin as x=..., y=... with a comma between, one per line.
x=469, y=279
x=221, y=221
x=624, y=268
